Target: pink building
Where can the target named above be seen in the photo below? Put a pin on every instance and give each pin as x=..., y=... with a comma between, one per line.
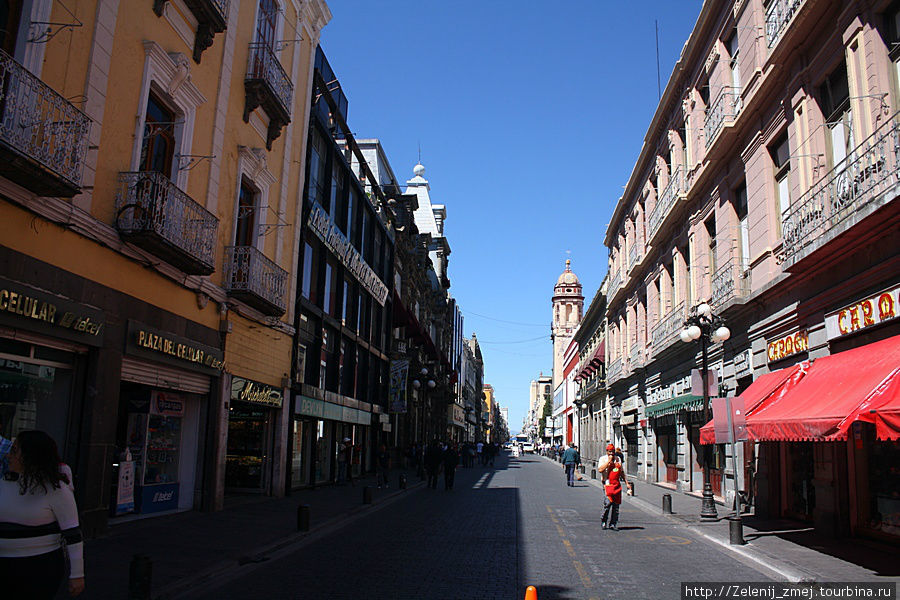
x=766, y=187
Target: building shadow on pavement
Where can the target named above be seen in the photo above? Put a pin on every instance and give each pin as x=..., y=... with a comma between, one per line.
x=875, y=556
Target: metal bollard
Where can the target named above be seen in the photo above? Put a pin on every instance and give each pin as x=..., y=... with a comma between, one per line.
x=736, y=531
x=581, y=469
x=667, y=504
x=303, y=517
x=140, y=575
x=593, y=473
x=367, y=494
x=402, y=481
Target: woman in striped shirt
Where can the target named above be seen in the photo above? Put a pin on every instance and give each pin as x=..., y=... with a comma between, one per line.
x=37, y=516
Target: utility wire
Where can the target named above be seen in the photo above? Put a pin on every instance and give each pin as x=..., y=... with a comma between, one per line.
x=469, y=312
x=542, y=337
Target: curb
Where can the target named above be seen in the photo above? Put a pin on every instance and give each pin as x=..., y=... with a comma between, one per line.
x=224, y=571
x=764, y=560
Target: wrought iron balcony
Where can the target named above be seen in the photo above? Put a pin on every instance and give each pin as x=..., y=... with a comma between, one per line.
x=666, y=331
x=255, y=279
x=268, y=85
x=615, y=371
x=634, y=255
x=593, y=385
x=722, y=112
x=636, y=358
x=674, y=190
x=43, y=137
x=211, y=15
x=615, y=283
x=778, y=15
x=730, y=282
x=855, y=188
x=154, y=214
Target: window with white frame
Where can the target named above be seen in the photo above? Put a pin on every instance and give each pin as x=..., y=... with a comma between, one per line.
x=781, y=162
x=251, y=202
x=740, y=209
x=834, y=96
x=169, y=101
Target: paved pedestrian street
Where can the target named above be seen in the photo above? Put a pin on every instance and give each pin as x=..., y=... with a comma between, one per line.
x=499, y=530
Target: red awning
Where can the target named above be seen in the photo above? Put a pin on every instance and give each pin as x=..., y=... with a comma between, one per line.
x=762, y=388
x=594, y=363
x=862, y=384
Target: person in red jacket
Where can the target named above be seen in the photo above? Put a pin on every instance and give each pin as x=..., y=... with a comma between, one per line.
x=614, y=478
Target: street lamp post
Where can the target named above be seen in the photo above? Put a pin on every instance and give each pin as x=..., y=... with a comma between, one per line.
x=708, y=328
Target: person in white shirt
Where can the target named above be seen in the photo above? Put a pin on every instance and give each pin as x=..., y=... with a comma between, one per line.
x=37, y=516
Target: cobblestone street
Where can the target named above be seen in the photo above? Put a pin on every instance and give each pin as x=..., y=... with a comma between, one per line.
x=498, y=531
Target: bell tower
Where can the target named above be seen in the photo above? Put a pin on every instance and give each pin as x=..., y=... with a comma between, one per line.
x=568, y=308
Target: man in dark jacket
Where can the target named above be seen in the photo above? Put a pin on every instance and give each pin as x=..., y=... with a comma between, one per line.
x=451, y=459
x=433, y=459
x=571, y=459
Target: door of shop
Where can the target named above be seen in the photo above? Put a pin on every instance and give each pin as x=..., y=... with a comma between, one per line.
x=799, y=499
x=247, y=462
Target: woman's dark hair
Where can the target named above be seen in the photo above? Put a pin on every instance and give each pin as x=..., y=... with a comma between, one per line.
x=40, y=462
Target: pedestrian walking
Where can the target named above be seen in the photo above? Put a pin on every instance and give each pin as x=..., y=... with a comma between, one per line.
x=613, y=475
x=38, y=516
x=479, y=452
x=451, y=460
x=571, y=459
x=383, y=460
x=433, y=459
x=344, y=460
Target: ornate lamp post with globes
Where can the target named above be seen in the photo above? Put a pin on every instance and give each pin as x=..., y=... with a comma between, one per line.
x=709, y=328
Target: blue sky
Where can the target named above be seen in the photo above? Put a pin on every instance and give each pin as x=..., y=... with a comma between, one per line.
x=530, y=116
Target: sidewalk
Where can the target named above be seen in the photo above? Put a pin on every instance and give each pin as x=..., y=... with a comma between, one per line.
x=790, y=549
x=190, y=548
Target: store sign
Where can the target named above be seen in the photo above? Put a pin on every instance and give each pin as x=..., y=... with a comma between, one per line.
x=743, y=366
x=869, y=312
x=661, y=394
x=397, y=388
x=253, y=392
x=166, y=404
x=629, y=403
x=152, y=343
x=21, y=305
x=125, y=488
x=160, y=497
x=629, y=419
x=318, y=409
x=340, y=246
x=787, y=345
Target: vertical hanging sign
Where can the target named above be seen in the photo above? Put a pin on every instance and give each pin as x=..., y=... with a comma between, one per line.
x=399, y=370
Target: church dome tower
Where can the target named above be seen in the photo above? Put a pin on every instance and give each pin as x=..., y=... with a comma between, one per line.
x=568, y=308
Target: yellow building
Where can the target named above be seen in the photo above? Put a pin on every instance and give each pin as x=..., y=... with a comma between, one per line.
x=487, y=410
x=151, y=172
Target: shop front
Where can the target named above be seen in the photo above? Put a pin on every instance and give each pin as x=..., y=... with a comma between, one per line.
x=252, y=420
x=164, y=397
x=45, y=346
x=319, y=430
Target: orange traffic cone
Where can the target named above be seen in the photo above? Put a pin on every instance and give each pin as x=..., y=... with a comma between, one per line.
x=531, y=593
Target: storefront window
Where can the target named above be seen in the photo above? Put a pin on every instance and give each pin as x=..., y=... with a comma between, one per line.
x=323, y=455
x=248, y=451
x=35, y=390
x=884, y=486
x=299, y=456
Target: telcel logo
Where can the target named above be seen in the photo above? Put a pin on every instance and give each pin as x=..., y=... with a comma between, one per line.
x=163, y=496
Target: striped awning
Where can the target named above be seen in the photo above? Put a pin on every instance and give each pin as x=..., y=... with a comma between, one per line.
x=674, y=405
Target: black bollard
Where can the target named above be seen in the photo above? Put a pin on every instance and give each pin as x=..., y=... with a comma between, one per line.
x=593, y=473
x=402, y=481
x=667, y=504
x=140, y=575
x=736, y=531
x=303, y=517
x=367, y=494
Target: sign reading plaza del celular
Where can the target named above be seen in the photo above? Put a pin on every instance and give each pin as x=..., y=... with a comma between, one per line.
x=328, y=232
x=168, y=347
x=24, y=306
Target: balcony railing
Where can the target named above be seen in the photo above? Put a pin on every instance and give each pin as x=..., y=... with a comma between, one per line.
x=673, y=190
x=778, y=15
x=615, y=283
x=666, y=331
x=615, y=371
x=255, y=279
x=593, y=385
x=636, y=357
x=634, y=255
x=269, y=86
x=844, y=196
x=157, y=216
x=724, y=109
x=730, y=282
x=43, y=137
